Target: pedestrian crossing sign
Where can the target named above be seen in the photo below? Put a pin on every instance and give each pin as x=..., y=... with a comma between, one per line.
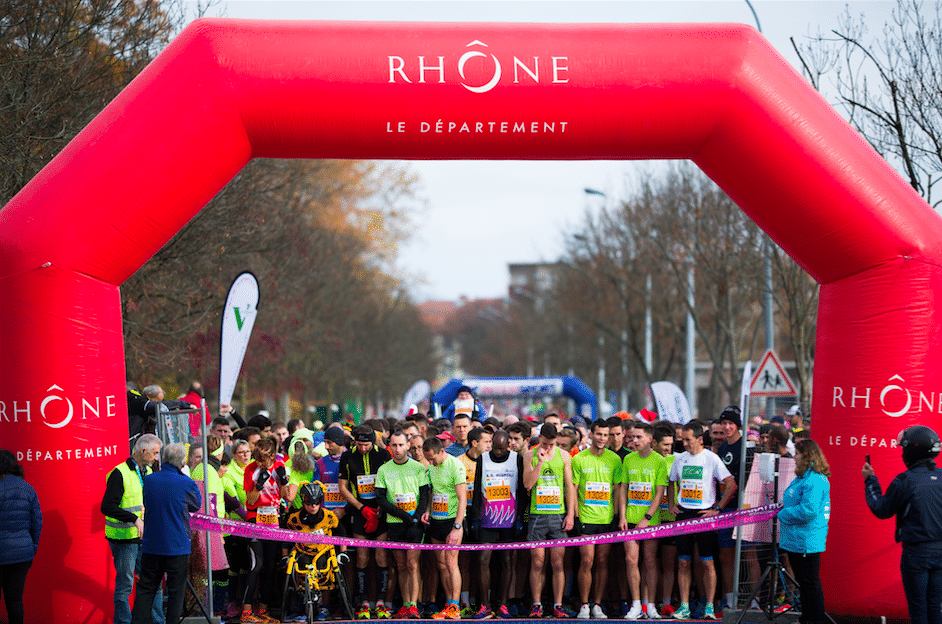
x=771, y=379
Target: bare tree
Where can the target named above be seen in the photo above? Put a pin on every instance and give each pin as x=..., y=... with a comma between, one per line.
x=889, y=85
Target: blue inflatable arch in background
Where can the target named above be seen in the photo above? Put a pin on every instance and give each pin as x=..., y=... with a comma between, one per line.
x=587, y=405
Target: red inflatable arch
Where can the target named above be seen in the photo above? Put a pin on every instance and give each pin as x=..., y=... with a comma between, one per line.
x=226, y=91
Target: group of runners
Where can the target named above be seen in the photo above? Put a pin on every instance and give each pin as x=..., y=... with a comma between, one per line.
x=479, y=480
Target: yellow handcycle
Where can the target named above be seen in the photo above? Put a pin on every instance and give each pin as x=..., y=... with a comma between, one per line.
x=309, y=576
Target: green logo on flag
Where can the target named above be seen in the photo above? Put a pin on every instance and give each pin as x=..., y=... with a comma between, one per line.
x=239, y=320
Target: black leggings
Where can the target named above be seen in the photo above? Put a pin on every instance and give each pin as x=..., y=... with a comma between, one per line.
x=807, y=569
x=265, y=555
x=12, y=583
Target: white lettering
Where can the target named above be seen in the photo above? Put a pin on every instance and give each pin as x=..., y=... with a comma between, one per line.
x=929, y=403
x=558, y=67
x=397, y=69
x=854, y=396
x=535, y=74
x=479, y=126
x=837, y=396
x=87, y=407
x=440, y=68
x=110, y=406
x=3, y=412
x=549, y=126
x=17, y=410
x=520, y=127
x=424, y=127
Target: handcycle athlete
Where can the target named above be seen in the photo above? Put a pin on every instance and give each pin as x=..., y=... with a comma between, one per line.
x=314, y=569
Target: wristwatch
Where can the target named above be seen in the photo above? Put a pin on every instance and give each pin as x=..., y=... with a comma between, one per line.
x=647, y=516
x=456, y=526
x=717, y=508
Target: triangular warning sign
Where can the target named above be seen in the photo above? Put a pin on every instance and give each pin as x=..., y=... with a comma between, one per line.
x=771, y=379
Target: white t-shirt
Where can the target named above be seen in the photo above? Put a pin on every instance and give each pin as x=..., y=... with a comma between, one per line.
x=695, y=475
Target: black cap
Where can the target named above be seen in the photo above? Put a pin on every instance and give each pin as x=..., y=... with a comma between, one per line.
x=732, y=414
x=335, y=435
x=465, y=389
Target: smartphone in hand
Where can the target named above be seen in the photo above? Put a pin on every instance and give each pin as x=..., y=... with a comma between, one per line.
x=868, y=459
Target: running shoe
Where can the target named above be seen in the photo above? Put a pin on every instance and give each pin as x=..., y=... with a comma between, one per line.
x=634, y=613
x=467, y=612
x=232, y=611
x=683, y=613
x=323, y=614
x=583, y=612
x=414, y=613
x=536, y=611
x=263, y=614
x=382, y=613
x=504, y=613
x=561, y=613
x=667, y=610
x=402, y=613
x=363, y=613
x=708, y=612
x=598, y=613
x=296, y=617
x=650, y=612
x=450, y=612
x=782, y=608
x=247, y=617
x=484, y=613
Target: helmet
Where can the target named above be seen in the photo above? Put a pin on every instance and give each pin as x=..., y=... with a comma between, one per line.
x=312, y=493
x=919, y=443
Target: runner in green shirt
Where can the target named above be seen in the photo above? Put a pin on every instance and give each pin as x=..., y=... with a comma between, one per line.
x=644, y=479
x=445, y=517
x=547, y=474
x=663, y=445
x=596, y=475
x=402, y=490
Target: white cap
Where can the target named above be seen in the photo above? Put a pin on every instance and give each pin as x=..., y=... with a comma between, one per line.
x=794, y=409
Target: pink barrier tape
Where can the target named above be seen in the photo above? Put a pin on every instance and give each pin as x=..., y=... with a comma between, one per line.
x=202, y=522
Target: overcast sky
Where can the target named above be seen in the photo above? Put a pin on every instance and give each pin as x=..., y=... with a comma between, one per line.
x=516, y=211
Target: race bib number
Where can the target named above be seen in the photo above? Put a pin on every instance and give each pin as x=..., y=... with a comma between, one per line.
x=406, y=502
x=639, y=494
x=497, y=488
x=549, y=499
x=440, y=506
x=366, y=486
x=691, y=493
x=267, y=515
x=598, y=494
x=333, y=499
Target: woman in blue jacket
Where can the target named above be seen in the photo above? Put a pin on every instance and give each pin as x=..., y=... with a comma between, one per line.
x=804, y=526
x=20, y=525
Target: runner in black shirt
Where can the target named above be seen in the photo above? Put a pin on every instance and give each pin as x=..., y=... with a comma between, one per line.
x=357, y=479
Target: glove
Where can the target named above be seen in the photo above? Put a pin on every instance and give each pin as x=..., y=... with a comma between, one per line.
x=343, y=558
x=371, y=517
x=282, y=475
x=262, y=480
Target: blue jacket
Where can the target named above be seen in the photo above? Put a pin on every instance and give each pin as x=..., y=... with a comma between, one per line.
x=20, y=522
x=805, y=514
x=449, y=412
x=169, y=497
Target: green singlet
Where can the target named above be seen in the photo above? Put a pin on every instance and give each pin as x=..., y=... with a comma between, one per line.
x=402, y=483
x=445, y=479
x=548, y=495
x=642, y=477
x=595, y=479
